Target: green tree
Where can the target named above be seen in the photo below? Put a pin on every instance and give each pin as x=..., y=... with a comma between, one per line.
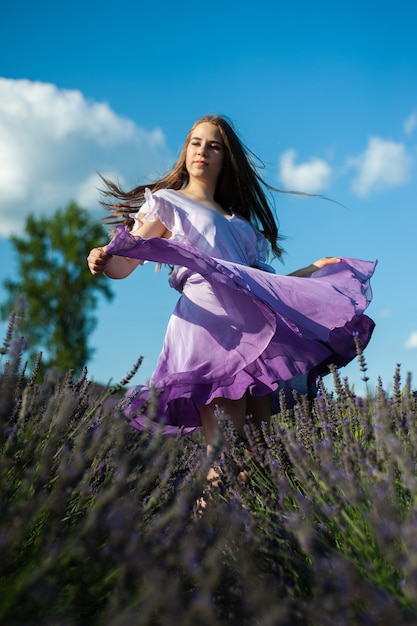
x=55, y=295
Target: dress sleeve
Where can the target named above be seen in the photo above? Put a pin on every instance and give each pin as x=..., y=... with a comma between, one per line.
x=168, y=213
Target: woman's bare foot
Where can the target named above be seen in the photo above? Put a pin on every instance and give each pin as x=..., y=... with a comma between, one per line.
x=214, y=481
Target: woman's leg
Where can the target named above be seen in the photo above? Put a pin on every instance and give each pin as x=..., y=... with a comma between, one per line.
x=259, y=409
x=235, y=410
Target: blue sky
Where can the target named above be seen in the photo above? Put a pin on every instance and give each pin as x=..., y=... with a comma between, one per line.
x=324, y=93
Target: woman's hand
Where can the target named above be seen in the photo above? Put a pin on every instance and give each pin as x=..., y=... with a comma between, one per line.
x=317, y=265
x=326, y=260
x=115, y=266
x=98, y=260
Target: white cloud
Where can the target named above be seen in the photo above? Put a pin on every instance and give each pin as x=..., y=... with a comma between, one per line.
x=410, y=123
x=383, y=164
x=310, y=177
x=52, y=143
x=86, y=192
x=411, y=343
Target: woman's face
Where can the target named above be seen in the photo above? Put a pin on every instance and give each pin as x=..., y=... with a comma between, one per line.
x=205, y=153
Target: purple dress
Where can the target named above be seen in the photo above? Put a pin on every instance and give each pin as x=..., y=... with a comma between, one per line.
x=237, y=325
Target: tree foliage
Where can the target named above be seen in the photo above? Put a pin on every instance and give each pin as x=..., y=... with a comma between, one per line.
x=55, y=295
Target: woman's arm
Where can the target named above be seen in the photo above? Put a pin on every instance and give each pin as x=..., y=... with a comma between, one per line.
x=100, y=262
x=306, y=271
x=117, y=267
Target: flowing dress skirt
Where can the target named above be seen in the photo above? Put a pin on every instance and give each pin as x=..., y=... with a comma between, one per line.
x=237, y=328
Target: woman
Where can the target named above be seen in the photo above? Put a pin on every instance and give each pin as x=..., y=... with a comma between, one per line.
x=239, y=331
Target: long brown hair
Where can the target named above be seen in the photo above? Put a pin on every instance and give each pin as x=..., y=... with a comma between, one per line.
x=240, y=188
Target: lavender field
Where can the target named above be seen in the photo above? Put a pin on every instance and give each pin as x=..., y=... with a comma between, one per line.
x=99, y=523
